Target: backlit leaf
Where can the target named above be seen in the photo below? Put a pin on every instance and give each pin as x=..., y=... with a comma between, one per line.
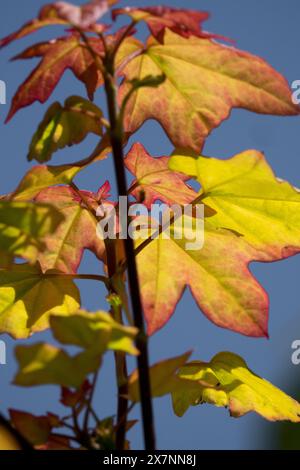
x=204, y=81
x=63, y=13
x=154, y=181
x=35, y=429
x=23, y=227
x=249, y=200
x=217, y=275
x=162, y=377
x=43, y=176
x=57, y=56
x=27, y=298
x=186, y=23
x=62, y=54
x=227, y=381
x=65, y=126
x=94, y=332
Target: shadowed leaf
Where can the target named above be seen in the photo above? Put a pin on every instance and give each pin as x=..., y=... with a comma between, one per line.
x=94, y=331
x=186, y=23
x=63, y=13
x=154, y=179
x=35, y=429
x=249, y=200
x=216, y=272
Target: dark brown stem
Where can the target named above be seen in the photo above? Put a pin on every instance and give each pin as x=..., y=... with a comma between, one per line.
x=120, y=358
x=89, y=402
x=116, y=135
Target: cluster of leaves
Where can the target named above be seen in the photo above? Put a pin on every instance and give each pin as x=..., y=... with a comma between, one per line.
x=189, y=81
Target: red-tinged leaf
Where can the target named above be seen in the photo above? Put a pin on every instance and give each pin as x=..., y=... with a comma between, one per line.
x=65, y=247
x=204, y=81
x=186, y=23
x=58, y=56
x=154, y=181
x=62, y=54
x=35, y=429
x=64, y=13
x=42, y=176
x=28, y=297
x=162, y=377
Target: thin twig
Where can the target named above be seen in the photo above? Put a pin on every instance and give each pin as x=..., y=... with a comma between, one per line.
x=117, y=138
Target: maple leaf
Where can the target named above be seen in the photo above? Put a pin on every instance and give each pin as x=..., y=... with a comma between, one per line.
x=43, y=176
x=184, y=22
x=217, y=275
x=35, y=429
x=154, y=181
x=64, y=248
x=227, y=381
x=64, y=13
x=71, y=398
x=204, y=81
x=28, y=297
x=59, y=55
x=23, y=227
x=65, y=126
x=95, y=333
x=249, y=200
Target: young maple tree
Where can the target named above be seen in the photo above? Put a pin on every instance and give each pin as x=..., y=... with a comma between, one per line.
x=188, y=80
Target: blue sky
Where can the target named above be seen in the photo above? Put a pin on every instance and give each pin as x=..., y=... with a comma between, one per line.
x=269, y=29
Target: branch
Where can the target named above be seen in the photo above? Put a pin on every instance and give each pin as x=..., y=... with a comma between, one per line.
x=117, y=134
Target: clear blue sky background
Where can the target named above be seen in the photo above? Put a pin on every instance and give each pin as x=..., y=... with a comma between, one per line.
x=270, y=29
